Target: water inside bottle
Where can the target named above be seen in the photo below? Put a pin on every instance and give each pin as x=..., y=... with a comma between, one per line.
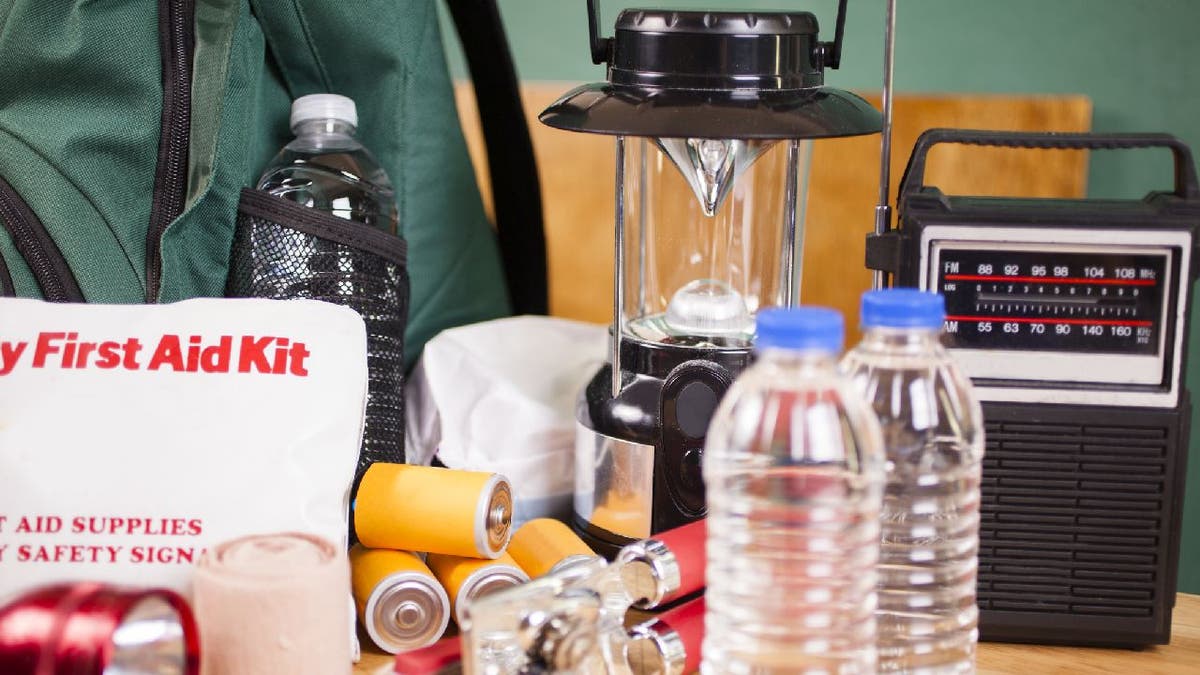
x=327, y=169
x=930, y=519
x=927, y=614
x=793, y=473
x=801, y=556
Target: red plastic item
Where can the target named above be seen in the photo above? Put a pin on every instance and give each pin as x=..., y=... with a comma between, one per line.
x=443, y=656
x=687, y=621
x=67, y=629
x=687, y=543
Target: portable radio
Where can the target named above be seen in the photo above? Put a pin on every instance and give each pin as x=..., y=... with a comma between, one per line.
x=1070, y=316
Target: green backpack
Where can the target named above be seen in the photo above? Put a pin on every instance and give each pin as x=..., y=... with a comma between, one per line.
x=128, y=129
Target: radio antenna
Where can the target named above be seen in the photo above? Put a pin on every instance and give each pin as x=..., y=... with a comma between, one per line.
x=883, y=212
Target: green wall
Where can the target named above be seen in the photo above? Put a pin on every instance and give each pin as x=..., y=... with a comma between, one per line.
x=1138, y=61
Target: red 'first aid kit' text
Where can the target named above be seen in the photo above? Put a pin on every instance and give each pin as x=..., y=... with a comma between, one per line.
x=272, y=355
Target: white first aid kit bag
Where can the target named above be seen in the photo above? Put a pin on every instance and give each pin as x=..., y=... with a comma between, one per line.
x=133, y=437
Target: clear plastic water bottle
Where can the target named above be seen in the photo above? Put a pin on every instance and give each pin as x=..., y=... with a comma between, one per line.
x=326, y=168
x=933, y=436
x=793, y=469
x=352, y=257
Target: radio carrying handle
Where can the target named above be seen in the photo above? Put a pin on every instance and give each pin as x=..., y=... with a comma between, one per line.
x=1186, y=186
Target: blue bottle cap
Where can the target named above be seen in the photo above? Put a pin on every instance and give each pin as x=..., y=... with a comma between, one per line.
x=903, y=308
x=801, y=328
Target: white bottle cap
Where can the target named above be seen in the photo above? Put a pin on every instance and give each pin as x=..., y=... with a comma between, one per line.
x=322, y=107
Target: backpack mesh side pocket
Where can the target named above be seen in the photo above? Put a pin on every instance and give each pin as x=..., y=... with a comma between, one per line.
x=283, y=250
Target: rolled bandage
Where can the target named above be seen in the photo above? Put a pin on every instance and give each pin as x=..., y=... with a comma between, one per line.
x=541, y=545
x=270, y=604
x=401, y=604
x=466, y=579
x=421, y=508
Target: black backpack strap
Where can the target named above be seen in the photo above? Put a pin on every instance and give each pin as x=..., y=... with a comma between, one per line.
x=516, y=193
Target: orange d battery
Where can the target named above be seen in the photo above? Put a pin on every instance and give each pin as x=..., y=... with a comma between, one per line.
x=541, y=545
x=466, y=579
x=423, y=508
x=401, y=604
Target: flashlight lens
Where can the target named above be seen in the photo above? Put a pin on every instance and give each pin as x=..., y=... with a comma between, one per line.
x=641, y=583
x=149, y=641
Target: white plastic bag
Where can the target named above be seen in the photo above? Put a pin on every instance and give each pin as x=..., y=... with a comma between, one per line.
x=500, y=396
x=132, y=437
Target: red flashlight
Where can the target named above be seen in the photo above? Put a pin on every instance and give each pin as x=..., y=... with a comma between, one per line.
x=88, y=628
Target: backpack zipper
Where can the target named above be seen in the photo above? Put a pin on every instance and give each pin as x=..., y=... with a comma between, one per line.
x=7, y=290
x=33, y=242
x=176, y=43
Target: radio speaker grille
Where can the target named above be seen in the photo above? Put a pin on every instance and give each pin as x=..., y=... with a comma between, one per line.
x=1077, y=519
x=1069, y=515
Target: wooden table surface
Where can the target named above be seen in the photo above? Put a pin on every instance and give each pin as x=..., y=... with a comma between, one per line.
x=1181, y=656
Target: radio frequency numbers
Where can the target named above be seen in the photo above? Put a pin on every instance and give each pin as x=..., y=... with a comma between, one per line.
x=1060, y=273
x=987, y=324
x=1030, y=300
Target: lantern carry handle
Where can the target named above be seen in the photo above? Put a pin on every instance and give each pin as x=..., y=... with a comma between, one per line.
x=601, y=46
x=831, y=52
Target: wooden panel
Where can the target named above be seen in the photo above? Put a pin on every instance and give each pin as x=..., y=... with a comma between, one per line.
x=577, y=187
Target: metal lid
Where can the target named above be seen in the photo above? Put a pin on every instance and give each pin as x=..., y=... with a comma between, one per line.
x=714, y=75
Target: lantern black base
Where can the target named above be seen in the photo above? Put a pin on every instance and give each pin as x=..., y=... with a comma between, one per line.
x=646, y=444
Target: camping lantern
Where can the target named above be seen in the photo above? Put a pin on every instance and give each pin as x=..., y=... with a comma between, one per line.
x=710, y=111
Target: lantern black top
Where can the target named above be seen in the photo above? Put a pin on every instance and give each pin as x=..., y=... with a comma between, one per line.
x=714, y=75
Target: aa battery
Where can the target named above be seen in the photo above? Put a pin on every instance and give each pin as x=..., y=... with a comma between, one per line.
x=421, y=508
x=543, y=545
x=400, y=602
x=466, y=579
